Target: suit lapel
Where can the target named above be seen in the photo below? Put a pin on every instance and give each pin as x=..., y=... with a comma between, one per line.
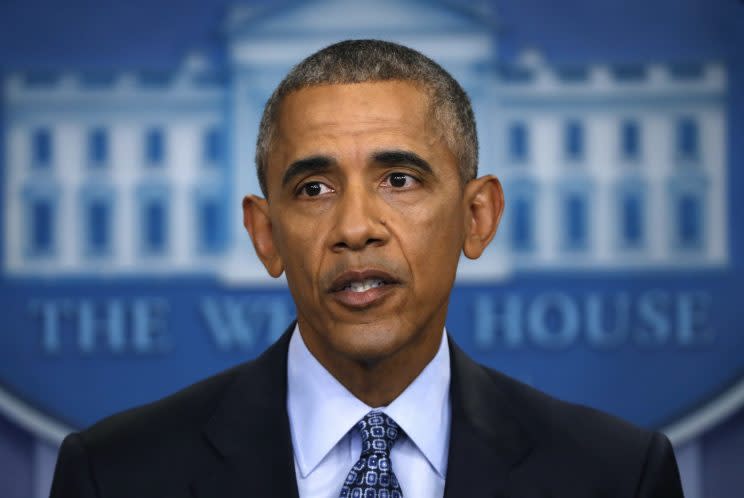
x=249, y=431
x=486, y=439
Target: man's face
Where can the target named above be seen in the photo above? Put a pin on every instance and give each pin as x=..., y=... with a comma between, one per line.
x=367, y=217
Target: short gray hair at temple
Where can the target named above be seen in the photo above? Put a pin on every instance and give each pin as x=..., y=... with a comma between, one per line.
x=359, y=61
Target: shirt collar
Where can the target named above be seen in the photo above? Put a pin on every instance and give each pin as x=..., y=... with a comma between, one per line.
x=423, y=409
x=321, y=410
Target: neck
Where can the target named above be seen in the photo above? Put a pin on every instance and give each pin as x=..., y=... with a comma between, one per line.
x=376, y=380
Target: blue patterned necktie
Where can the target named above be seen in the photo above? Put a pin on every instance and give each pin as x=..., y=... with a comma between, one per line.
x=372, y=476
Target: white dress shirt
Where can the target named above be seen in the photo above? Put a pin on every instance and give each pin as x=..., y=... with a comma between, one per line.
x=323, y=415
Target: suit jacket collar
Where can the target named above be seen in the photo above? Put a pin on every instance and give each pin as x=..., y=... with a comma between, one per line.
x=486, y=438
x=249, y=431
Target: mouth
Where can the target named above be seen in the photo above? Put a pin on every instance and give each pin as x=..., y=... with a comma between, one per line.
x=362, y=289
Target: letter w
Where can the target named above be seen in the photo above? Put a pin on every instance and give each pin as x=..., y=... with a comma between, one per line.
x=226, y=322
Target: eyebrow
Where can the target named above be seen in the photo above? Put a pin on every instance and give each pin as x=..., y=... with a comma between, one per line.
x=402, y=158
x=313, y=164
x=320, y=164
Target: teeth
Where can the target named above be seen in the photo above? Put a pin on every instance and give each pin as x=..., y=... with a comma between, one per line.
x=364, y=285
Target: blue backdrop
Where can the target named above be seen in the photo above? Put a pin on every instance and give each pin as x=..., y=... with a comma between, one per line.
x=614, y=281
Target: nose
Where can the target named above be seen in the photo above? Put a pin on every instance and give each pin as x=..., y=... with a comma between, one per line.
x=359, y=221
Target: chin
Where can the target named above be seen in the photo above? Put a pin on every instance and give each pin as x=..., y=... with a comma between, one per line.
x=368, y=343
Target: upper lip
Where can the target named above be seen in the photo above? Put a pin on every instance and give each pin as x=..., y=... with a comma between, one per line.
x=349, y=276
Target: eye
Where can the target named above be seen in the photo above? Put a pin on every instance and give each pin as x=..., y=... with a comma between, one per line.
x=401, y=180
x=314, y=189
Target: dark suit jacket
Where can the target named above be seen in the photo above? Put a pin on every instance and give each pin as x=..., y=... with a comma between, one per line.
x=228, y=437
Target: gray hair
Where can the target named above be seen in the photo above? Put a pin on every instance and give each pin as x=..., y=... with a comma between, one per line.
x=359, y=61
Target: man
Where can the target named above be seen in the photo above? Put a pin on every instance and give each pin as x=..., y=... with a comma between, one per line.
x=367, y=158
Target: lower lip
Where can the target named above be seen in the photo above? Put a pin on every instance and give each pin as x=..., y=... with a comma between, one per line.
x=362, y=300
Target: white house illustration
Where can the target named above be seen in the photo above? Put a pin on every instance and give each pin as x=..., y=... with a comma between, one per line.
x=605, y=167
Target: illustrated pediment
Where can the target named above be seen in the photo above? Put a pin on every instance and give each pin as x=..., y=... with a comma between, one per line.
x=365, y=18
x=283, y=35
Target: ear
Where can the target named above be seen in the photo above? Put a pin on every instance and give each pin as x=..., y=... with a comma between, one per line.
x=484, y=204
x=258, y=223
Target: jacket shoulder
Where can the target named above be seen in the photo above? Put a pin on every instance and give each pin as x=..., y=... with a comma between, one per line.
x=160, y=438
x=548, y=418
x=578, y=444
x=158, y=449
x=185, y=408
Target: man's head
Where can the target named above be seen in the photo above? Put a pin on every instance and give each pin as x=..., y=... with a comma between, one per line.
x=360, y=61
x=369, y=203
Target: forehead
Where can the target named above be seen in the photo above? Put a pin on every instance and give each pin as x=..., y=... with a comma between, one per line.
x=359, y=97
x=359, y=110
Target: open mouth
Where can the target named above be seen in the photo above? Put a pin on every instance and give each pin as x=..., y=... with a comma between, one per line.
x=361, y=280
x=363, y=288
x=364, y=285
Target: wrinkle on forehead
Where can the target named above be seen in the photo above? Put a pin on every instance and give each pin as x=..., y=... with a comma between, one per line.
x=349, y=111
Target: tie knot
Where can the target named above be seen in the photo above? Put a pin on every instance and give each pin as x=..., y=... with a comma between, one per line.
x=379, y=433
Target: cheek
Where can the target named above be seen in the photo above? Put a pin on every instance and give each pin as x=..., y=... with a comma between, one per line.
x=299, y=246
x=432, y=241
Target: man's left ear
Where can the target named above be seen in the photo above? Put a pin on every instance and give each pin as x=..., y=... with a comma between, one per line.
x=484, y=203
